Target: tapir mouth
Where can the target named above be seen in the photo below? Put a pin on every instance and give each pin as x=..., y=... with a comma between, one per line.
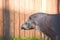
x=26, y=28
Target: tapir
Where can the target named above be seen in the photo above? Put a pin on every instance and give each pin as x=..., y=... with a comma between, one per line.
x=43, y=22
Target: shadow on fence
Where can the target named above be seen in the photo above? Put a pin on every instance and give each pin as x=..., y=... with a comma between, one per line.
x=6, y=24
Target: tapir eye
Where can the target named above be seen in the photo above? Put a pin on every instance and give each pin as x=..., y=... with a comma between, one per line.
x=30, y=18
x=25, y=23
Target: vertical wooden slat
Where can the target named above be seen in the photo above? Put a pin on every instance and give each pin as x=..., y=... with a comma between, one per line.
x=51, y=6
x=12, y=17
x=1, y=3
x=37, y=6
x=16, y=24
x=1, y=23
x=1, y=18
x=21, y=22
x=43, y=6
x=16, y=18
x=12, y=23
x=19, y=18
x=59, y=6
x=11, y=5
x=22, y=7
x=17, y=5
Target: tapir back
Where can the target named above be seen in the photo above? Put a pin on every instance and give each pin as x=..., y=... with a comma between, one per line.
x=47, y=23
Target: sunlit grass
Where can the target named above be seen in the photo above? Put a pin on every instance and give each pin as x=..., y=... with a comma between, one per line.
x=24, y=38
x=27, y=38
x=1, y=38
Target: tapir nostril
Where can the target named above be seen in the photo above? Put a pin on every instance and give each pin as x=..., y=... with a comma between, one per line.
x=22, y=27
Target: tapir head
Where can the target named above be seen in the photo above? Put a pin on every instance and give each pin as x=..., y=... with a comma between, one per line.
x=29, y=24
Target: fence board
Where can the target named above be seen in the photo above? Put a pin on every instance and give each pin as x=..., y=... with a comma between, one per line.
x=52, y=6
x=1, y=23
x=12, y=23
x=17, y=24
x=21, y=22
x=1, y=4
x=1, y=18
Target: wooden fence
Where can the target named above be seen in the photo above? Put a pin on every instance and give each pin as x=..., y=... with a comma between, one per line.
x=20, y=10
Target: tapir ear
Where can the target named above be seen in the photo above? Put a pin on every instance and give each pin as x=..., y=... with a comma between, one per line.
x=32, y=17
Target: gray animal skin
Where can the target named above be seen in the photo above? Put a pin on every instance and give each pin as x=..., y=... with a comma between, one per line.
x=43, y=22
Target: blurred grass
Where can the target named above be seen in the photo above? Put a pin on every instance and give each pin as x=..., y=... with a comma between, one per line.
x=27, y=38
x=1, y=38
x=24, y=38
